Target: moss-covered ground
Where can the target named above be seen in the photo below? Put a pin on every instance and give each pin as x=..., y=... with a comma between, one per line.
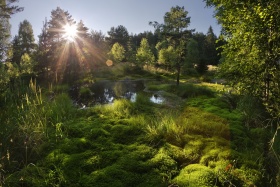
x=197, y=137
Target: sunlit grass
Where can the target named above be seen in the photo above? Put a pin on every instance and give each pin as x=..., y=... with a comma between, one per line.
x=127, y=143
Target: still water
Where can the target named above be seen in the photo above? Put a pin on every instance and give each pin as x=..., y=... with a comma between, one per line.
x=105, y=92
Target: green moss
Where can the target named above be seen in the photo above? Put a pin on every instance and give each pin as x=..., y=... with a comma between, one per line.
x=96, y=133
x=125, y=134
x=200, y=141
x=30, y=175
x=165, y=165
x=193, y=149
x=195, y=175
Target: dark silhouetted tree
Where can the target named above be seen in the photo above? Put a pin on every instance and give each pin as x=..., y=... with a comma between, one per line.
x=64, y=57
x=118, y=35
x=211, y=54
x=6, y=10
x=24, y=42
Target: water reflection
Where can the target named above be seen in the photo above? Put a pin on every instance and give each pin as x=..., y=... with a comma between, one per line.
x=157, y=99
x=105, y=92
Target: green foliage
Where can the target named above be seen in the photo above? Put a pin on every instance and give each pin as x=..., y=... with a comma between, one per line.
x=119, y=35
x=26, y=64
x=201, y=67
x=174, y=34
x=23, y=44
x=33, y=121
x=193, y=53
x=251, y=54
x=253, y=112
x=7, y=9
x=117, y=52
x=144, y=54
x=61, y=109
x=122, y=70
x=210, y=47
x=167, y=56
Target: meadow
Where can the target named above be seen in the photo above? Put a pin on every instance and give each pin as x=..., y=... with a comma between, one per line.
x=201, y=135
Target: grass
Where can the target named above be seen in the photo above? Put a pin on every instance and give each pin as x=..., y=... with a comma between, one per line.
x=201, y=142
x=183, y=90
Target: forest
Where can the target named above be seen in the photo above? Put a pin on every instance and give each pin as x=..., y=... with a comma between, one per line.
x=170, y=107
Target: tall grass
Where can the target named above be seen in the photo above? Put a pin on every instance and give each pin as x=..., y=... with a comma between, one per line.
x=26, y=119
x=172, y=127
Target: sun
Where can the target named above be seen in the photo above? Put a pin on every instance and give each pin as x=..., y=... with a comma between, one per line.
x=70, y=32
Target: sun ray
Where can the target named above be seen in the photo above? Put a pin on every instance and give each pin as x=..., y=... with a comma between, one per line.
x=70, y=32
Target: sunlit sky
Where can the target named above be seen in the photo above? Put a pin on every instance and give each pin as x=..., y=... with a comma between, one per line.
x=101, y=15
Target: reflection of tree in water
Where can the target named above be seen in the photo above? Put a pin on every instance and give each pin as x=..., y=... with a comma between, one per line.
x=107, y=91
x=108, y=96
x=120, y=89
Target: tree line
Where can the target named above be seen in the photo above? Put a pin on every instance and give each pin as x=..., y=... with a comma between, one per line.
x=171, y=46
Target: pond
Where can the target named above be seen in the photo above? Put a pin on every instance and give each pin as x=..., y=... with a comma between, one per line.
x=105, y=92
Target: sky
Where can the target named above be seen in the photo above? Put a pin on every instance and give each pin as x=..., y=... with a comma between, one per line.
x=101, y=15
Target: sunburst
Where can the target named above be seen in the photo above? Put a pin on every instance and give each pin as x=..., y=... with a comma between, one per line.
x=70, y=32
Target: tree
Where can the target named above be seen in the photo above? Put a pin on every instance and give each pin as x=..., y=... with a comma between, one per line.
x=58, y=51
x=211, y=54
x=144, y=53
x=193, y=55
x=98, y=39
x=200, y=38
x=174, y=31
x=194, y=58
x=117, y=52
x=24, y=42
x=131, y=49
x=118, y=35
x=6, y=10
x=252, y=52
x=26, y=64
x=167, y=56
x=135, y=41
x=42, y=57
x=64, y=57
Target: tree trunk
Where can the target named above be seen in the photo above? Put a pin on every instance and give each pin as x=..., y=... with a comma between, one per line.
x=178, y=73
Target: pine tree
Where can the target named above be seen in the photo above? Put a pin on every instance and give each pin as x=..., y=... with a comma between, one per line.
x=24, y=42
x=118, y=35
x=210, y=51
x=6, y=10
x=42, y=67
x=144, y=53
